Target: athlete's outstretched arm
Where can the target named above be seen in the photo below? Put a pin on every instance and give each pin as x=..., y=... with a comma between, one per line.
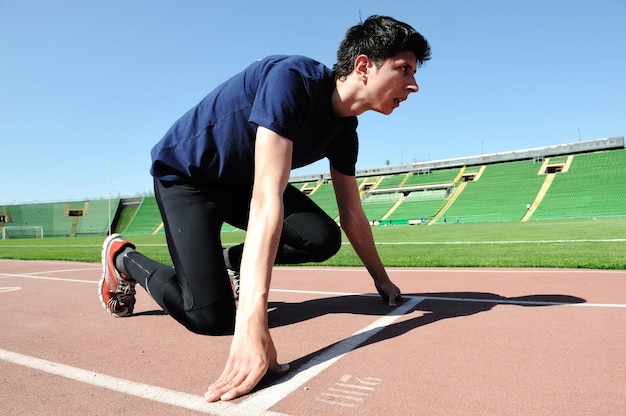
x=252, y=352
x=359, y=232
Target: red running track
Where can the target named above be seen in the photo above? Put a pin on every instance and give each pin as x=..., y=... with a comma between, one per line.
x=463, y=342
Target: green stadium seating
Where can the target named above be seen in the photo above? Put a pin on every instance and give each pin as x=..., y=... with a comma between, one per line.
x=147, y=218
x=324, y=196
x=594, y=186
x=95, y=221
x=502, y=193
x=51, y=216
x=392, y=181
x=377, y=205
x=422, y=204
x=434, y=177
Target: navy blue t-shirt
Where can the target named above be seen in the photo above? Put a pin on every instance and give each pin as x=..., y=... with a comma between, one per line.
x=290, y=95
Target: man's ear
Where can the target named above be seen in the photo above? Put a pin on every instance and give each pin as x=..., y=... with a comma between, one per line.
x=362, y=66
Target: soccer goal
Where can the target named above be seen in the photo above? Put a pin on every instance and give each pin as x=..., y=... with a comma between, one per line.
x=24, y=231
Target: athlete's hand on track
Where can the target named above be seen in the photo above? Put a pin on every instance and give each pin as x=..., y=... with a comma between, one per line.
x=389, y=292
x=252, y=354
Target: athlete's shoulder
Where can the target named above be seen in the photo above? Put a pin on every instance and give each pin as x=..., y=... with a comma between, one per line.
x=298, y=63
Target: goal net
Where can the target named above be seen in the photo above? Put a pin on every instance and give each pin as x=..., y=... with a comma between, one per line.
x=25, y=231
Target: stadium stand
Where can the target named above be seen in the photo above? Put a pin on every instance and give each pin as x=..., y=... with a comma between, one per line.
x=432, y=177
x=51, y=216
x=503, y=192
x=593, y=186
x=376, y=206
x=147, y=218
x=95, y=218
x=575, y=180
x=408, y=198
x=64, y=219
x=393, y=181
x=418, y=205
x=324, y=196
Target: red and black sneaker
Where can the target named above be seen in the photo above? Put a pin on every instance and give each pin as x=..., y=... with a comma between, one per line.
x=117, y=294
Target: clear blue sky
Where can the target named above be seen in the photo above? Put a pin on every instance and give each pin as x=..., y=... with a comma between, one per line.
x=85, y=85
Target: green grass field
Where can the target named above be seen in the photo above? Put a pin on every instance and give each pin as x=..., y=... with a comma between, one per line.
x=594, y=244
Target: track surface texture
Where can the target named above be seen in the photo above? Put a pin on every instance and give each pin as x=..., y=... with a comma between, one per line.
x=461, y=342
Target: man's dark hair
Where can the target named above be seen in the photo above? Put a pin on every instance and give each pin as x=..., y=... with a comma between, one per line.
x=379, y=38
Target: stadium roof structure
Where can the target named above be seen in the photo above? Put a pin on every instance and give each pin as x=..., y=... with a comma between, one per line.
x=538, y=153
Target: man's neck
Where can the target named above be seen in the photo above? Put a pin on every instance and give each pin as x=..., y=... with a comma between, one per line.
x=345, y=99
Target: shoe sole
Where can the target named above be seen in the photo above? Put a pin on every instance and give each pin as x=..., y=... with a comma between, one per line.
x=102, y=282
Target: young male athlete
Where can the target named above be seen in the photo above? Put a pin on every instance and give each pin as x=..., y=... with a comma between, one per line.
x=228, y=160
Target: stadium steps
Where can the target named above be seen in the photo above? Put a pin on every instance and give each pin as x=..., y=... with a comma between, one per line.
x=455, y=194
x=394, y=207
x=540, y=195
x=406, y=178
x=393, y=181
x=498, y=192
x=567, y=162
x=7, y=214
x=378, y=205
x=147, y=218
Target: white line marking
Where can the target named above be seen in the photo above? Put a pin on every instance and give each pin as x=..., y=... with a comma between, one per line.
x=326, y=293
x=68, y=270
x=61, y=279
x=335, y=402
x=445, y=270
x=479, y=300
x=341, y=396
x=354, y=393
x=133, y=388
x=311, y=292
x=112, y=383
x=528, y=302
x=354, y=386
x=266, y=398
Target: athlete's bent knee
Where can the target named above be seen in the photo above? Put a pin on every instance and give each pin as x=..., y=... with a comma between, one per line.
x=327, y=244
x=215, y=319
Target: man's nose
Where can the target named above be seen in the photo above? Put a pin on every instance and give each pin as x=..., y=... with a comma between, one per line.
x=412, y=86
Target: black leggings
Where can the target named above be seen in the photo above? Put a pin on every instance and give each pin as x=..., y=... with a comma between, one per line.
x=196, y=291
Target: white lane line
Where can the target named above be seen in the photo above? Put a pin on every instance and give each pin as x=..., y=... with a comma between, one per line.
x=68, y=270
x=528, y=302
x=447, y=270
x=476, y=300
x=266, y=398
x=133, y=388
x=61, y=279
x=315, y=292
x=112, y=383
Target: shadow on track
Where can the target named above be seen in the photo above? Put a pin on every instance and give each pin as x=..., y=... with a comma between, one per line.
x=435, y=307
